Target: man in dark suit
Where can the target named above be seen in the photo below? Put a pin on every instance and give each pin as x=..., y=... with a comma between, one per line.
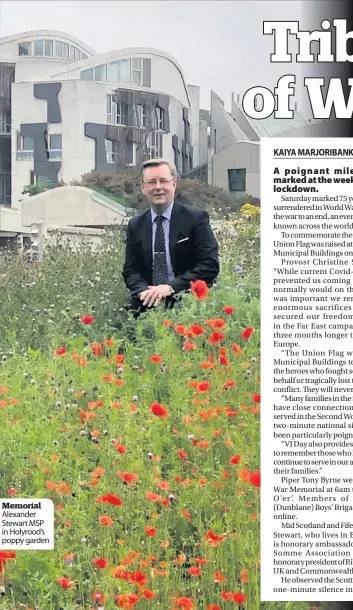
x=169, y=245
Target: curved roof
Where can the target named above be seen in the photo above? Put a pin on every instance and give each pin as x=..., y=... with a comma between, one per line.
x=52, y=33
x=110, y=56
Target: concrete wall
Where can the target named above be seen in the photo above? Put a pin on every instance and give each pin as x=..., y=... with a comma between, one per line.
x=80, y=102
x=203, y=142
x=166, y=76
x=239, y=155
x=70, y=206
x=224, y=131
x=194, y=93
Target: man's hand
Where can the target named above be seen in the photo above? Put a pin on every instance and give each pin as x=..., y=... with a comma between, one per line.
x=154, y=294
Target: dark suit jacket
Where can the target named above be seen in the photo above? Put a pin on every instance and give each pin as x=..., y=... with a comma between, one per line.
x=193, y=259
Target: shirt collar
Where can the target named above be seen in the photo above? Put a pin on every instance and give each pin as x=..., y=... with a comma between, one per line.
x=167, y=213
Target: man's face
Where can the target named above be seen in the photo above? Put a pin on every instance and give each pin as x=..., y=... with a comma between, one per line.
x=158, y=185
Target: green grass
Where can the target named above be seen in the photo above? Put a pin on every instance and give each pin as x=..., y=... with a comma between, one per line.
x=52, y=448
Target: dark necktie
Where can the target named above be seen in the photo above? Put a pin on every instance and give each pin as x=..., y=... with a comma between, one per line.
x=160, y=271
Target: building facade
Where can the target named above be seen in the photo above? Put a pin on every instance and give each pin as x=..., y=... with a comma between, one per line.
x=65, y=111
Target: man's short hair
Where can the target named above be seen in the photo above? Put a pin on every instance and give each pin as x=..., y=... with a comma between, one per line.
x=157, y=163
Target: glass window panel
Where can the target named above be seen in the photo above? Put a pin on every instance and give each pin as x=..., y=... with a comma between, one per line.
x=113, y=72
x=87, y=74
x=48, y=48
x=84, y=56
x=125, y=70
x=38, y=47
x=76, y=54
x=65, y=50
x=136, y=63
x=24, y=48
x=27, y=144
x=100, y=72
x=136, y=77
x=55, y=142
x=58, y=48
x=72, y=53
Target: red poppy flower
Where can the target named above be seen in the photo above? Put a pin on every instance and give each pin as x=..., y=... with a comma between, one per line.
x=213, y=539
x=215, y=337
x=237, y=349
x=228, y=309
x=152, y=496
x=246, y=334
x=217, y=323
x=121, y=449
x=185, y=602
x=159, y=410
x=202, y=386
x=97, y=596
x=100, y=563
x=60, y=351
x=256, y=398
x=235, y=459
x=194, y=571
x=199, y=289
x=151, y=531
x=189, y=346
x=155, y=358
x=148, y=594
x=197, y=329
x=128, y=477
x=87, y=319
x=65, y=583
x=109, y=499
x=213, y=607
x=138, y=578
x=239, y=598
x=96, y=349
x=106, y=521
x=227, y=596
x=255, y=478
x=127, y=600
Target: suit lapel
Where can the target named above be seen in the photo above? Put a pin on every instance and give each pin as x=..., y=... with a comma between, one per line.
x=173, y=231
x=147, y=240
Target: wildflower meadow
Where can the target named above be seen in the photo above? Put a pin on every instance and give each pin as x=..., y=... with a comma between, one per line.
x=145, y=435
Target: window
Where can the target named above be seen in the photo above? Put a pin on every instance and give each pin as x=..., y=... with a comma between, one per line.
x=111, y=149
x=38, y=47
x=48, y=48
x=141, y=115
x=72, y=53
x=125, y=71
x=58, y=48
x=55, y=146
x=236, y=179
x=65, y=50
x=100, y=72
x=25, y=48
x=76, y=54
x=87, y=74
x=25, y=147
x=159, y=118
x=5, y=190
x=117, y=112
x=5, y=121
x=154, y=148
x=113, y=72
x=137, y=71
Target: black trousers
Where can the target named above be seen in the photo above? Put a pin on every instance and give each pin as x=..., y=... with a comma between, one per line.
x=137, y=308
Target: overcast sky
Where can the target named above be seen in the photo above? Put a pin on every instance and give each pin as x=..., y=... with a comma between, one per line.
x=219, y=44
